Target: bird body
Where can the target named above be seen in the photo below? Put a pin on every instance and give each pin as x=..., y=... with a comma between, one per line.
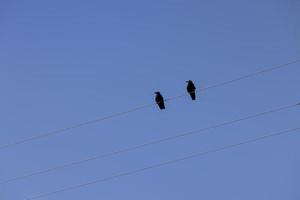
x=191, y=89
x=159, y=99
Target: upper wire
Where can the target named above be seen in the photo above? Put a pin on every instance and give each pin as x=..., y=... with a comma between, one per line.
x=65, y=129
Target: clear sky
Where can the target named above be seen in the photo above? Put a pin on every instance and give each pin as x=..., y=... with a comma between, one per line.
x=67, y=61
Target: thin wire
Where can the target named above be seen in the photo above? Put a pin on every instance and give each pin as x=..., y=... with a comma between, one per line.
x=263, y=71
x=63, y=130
x=169, y=162
x=57, y=131
x=251, y=75
x=136, y=147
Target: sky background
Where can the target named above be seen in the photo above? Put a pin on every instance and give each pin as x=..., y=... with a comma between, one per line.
x=63, y=62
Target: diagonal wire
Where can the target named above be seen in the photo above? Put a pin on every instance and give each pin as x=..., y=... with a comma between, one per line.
x=162, y=164
x=139, y=146
x=63, y=130
x=247, y=76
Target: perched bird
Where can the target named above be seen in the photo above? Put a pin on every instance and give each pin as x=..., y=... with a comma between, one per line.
x=191, y=89
x=160, y=100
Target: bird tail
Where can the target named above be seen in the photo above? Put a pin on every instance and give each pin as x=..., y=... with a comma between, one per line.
x=162, y=106
x=193, y=95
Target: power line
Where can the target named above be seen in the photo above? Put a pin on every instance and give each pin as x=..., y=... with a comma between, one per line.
x=247, y=76
x=263, y=71
x=161, y=140
x=63, y=130
x=169, y=162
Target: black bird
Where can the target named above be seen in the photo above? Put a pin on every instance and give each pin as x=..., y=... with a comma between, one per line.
x=191, y=89
x=160, y=100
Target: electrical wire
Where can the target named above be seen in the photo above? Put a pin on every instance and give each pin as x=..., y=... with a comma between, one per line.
x=63, y=130
x=247, y=76
x=166, y=163
x=153, y=142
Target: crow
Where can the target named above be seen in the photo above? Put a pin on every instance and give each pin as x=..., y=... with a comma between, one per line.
x=160, y=100
x=191, y=89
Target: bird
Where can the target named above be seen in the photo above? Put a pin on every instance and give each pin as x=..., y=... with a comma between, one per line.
x=160, y=100
x=191, y=89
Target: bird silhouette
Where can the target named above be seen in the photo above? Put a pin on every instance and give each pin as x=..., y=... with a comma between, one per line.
x=191, y=89
x=160, y=100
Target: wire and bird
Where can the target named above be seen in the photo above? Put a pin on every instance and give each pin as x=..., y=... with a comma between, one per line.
x=191, y=89
x=159, y=99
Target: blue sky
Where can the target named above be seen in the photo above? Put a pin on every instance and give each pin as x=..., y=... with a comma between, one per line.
x=64, y=62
